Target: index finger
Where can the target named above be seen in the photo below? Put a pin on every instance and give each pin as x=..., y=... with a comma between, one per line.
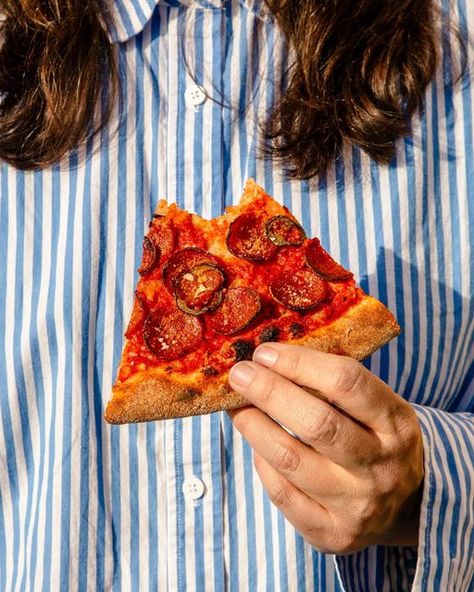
x=342, y=380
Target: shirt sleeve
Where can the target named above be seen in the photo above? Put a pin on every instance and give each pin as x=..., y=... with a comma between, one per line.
x=444, y=559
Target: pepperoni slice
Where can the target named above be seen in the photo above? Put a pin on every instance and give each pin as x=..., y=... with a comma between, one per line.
x=150, y=254
x=247, y=239
x=182, y=261
x=196, y=289
x=323, y=264
x=170, y=336
x=162, y=236
x=282, y=231
x=300, y=291
x=239, y=308
x=137, y=317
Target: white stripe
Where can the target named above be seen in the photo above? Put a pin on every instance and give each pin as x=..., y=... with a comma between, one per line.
x=27, y=372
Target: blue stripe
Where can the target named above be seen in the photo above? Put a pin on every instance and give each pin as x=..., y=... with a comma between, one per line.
x=85, y=419
x=200, y=576
x=217, y=513
x=399, y=276
x=180, y=525
x=380, y=239
x=199, y=121
x=66, y=420
x=342, y=213
x=231, y=505
x=251, y=549
x=35, y=356
x=415, y=308
x=3, y=545
x=99, y=367
x=9, y=457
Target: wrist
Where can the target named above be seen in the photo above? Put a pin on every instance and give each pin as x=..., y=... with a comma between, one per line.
x=406, y=529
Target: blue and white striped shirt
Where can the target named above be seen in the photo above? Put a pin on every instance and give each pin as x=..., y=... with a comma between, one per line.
x=86, y=506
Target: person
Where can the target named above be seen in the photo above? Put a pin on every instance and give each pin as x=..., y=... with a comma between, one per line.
x=354, y=115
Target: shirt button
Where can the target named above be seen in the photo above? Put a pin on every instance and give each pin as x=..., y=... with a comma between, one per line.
x=193, y=488
x=194, y=95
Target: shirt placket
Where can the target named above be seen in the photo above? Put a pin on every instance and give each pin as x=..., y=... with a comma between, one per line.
x=193, y=448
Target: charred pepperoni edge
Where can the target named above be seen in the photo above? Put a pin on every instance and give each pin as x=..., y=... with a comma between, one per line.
x=321, y=262
x=154, y=217
x=319, y=293
x=181, y=300
x=279, y=239
x=216, y=326
x=175, y=267
x=149, y=257
x=232, y=240
x=188, y=340
x=135, y=317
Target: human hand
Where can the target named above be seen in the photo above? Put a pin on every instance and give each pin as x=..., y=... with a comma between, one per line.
x=353, y=477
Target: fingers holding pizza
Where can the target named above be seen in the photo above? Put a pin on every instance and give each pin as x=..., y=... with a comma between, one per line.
x=352, y=476
x=211, y=291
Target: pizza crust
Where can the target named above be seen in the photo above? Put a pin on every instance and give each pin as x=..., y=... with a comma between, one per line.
x=151, y=395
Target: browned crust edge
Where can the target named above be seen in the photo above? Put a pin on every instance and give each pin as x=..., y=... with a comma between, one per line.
x=150, y=395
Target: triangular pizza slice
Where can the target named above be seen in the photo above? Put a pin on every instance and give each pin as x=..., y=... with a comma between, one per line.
x=210, y=291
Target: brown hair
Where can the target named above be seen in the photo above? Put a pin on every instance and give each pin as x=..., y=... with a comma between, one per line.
x=360, y=72
x=57, y=78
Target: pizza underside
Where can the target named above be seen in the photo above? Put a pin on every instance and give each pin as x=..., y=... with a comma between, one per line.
x=211, y=291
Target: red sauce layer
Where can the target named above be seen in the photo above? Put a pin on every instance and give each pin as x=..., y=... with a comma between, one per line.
x=216, y=351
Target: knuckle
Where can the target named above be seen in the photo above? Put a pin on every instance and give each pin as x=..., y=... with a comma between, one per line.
x=292, y=365
x=404, y=429
x=280, y=496
x=320, y=427
x=287, y=459
x=367, y=508
x=267, y=388
x=348, y=376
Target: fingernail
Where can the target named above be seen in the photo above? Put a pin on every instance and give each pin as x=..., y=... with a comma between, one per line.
x=267, y=356
x=241, y=375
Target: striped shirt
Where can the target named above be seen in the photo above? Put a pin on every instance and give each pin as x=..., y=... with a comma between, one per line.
x=176, y=505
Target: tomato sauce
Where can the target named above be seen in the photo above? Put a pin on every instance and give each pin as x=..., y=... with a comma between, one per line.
x=217, y=352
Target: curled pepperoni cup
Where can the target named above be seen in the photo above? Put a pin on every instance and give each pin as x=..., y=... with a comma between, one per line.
x=172, y=335
x=150, y=256
x=300, y=291
x=323, y=264
x=199, y=289
x=282, y=231
x=239, y=308
x=247, y=239
x=182, y=261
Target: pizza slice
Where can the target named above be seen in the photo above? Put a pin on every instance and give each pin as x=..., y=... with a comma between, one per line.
x=210, y=291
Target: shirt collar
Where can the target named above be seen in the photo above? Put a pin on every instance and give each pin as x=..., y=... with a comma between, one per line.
x=129, y=17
